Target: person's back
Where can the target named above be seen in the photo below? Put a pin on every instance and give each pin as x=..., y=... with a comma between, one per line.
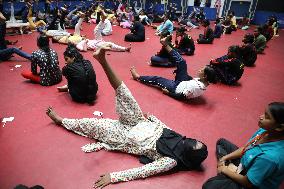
x=138, y=29
x=228, y=70
x=81, y=79
x=249, y=54
x=50, y=73
x=260, y=43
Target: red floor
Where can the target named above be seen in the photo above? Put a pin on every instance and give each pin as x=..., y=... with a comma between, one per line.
x=35, y=151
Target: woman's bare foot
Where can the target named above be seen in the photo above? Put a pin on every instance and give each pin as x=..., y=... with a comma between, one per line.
x=53, y=115
x=134, y=73
x=63, y=88
x=127, y=49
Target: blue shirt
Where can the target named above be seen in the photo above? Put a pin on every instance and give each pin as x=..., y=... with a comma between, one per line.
x=265, y=164
x=166, y=26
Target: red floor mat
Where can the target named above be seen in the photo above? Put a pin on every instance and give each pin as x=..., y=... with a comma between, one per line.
x=34, y=151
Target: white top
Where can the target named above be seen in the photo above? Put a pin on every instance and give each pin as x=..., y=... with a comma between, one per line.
x=191, y=89
x=104, y=27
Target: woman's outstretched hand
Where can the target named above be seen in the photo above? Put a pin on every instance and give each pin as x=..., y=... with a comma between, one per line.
x=103, y=181
x=99, y=54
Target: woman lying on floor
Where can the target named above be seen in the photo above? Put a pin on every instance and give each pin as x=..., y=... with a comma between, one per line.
x=80, y=75
x=159, y=147
x=75, y=38
x=184, y=86
x=229, y=68
x=47, y=59
x=93, y=44
x=258, y=164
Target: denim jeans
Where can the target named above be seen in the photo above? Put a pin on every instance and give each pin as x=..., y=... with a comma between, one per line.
x=7, y=53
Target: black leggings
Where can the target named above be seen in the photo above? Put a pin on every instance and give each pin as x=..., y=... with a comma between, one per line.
x=223, y=147
x=133, y=38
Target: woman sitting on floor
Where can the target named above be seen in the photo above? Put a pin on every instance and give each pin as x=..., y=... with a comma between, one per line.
x=186, y=44
x=208, y=36
x=165, y=26
x=162, y=58
x=258, y=164
x=229, y=68
x=80, y=75
x=218, y=28
x=105, y=27
x=159, y=147
x=184, y=86
x=259, y=40
x=137, y=31
x=248, y=50
x=47, y=59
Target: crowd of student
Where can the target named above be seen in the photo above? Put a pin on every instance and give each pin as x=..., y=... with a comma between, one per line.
x=159, y=147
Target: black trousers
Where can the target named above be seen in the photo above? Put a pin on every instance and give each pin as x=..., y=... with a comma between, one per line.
x=133, y=38
x=223, y=147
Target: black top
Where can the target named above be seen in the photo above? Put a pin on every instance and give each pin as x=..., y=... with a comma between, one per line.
x=2, y=36
x=208, y=33
x=186, y=42
x=138, y=29
x=249, y=54
x=181, y=149
x=228, y=70
x=81, y=79
x=50, y=73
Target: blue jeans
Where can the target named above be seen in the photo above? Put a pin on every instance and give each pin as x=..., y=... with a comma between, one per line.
x=170, y=85
x=7, y=53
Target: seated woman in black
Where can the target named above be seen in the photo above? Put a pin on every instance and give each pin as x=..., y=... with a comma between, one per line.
x=137, y=31
x=186, y=44
x=227, y=25
x=248, y=50
x=208, y=36
x=162, y=58
x=229, y=68
x=80, y=75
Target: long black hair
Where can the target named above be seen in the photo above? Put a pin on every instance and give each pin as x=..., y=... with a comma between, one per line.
x=72, y=52
x=210, y=74
x=43, y=44
x=236, y=50
x=92, y=87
